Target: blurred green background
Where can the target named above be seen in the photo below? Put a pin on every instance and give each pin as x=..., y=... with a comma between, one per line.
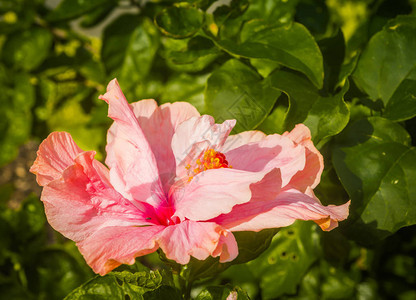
x=56, y=58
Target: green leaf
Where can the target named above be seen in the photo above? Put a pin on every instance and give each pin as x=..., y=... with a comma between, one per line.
x=402, y=105
x=314, y=15
x=222, y=293
x=386, y=62
x=333, y=51
x=16, y=102
x=376, y=166
x=99, y=14
x=186, y=87
x=139, y=54
x=290, y=45
x=197, y=55
x=272, y=11
x=325, y=116
x=180, y=21
x=250, y=245
x=125, y=285
x=59, y=267
x=116, y=38
x=235, y=91
x=28, y=49
x=71, y=9
x=129, y=46
x=281, y=267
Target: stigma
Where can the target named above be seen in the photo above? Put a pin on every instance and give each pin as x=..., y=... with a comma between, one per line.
x=211, y=159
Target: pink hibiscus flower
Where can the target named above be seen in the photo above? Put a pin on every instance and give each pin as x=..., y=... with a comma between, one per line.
x=176, y=181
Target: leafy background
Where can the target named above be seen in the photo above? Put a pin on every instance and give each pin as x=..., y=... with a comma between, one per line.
x=345, y=68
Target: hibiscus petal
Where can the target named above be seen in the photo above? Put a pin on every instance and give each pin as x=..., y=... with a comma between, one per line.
x=198, y=239
x=196, y=130
x=273, y=151
x=214, y=192
x=286, y=208
x=55, y=154
x=82, y=202
x=112, y=246
x=242, y=138
x=227, y=247
x=311, y=174
x=159, y=127
x=133, y=168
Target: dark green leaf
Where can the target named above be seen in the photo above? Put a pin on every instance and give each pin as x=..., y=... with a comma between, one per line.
x=314, y=15
x=402, y=105
x=116, y=38
x=235, y=91
x=125, y=285
x=325, y=116
x=139, y=54
x=250, y=246
x=71, y=9
x=222, y=293
x=198, y=54
x=59, y=267
x=99, y=14
x=290, y=45
x=376, y=166
x=129, y=46
x=281, y=267
x=28, y=49
x=180, y=21
x=333, y=51
x=386, y=62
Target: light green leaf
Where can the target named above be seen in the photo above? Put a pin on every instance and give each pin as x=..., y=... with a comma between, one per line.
x=376, y=166
x=180, y=21
x=235, y=91
x=16, y=102
x=386, y=62
x=325, y=116
x=290, y=45
x=28, y=49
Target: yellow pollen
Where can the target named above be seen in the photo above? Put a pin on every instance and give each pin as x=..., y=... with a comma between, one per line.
x=211, y=159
